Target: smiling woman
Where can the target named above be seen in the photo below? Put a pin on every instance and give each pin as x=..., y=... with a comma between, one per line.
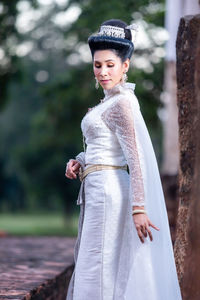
x=114, y=259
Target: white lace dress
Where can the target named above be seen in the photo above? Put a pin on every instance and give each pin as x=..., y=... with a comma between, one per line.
x=111, y=263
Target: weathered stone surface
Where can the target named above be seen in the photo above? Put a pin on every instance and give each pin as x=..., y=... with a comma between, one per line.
x=35, y=267
x=191, y=288
x=188, y=103
x=170, y=189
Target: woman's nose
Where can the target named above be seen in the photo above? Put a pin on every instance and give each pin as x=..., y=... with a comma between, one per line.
x=103, y=71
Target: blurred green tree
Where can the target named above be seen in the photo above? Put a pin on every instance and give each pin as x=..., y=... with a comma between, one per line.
x=8, y=35
x=56, y=88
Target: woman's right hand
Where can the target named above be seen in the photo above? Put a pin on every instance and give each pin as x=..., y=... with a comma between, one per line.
x=142, y=224
x=72, y=168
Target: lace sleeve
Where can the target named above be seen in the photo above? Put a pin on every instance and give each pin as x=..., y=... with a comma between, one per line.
x=81, y=158
x=119, y=118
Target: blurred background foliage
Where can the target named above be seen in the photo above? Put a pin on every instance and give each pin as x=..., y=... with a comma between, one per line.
x=47, y=85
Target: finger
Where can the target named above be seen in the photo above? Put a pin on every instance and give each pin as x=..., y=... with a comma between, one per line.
x=152, y=225
x=73, y=175
x=68, y=176
x=150, y=234
x=143, y=230
x=70, y=164
x=70, y=172
x=140, y=235
x=77, y=165
x=75, y=168
x=76, y=172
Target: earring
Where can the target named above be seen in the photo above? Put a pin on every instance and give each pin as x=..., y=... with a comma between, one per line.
x=97, y=83
x=124, y=77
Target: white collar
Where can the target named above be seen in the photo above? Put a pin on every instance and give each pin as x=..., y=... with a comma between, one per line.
x=117, y=89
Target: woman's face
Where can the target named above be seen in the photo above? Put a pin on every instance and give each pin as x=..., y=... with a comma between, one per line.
x=108, y=68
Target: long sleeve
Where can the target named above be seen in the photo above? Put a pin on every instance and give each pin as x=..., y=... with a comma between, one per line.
x=81, y=158
x=119, y=118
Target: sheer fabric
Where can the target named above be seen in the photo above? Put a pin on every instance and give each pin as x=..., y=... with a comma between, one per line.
x=111, y=263
x=119, y=118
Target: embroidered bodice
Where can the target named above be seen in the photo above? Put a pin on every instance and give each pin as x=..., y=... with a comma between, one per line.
x=110, y=132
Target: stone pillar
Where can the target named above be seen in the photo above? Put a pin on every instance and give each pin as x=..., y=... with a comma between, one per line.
x=187, y=244
x=191, y=287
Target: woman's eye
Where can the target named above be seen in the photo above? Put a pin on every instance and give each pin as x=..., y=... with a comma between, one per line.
x=109, y=66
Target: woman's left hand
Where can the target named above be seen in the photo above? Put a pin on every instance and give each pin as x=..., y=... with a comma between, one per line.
x=142, y=224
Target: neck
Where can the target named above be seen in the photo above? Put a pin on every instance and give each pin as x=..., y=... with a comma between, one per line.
x=118, y=88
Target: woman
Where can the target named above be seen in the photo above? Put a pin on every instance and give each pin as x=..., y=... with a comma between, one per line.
x=116, y=255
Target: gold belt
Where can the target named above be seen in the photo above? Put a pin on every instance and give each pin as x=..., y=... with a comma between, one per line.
x=98, y=167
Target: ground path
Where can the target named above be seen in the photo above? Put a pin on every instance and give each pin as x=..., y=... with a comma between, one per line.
x=35, y=267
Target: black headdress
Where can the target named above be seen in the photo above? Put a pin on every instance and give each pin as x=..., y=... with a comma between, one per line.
x=112, y=37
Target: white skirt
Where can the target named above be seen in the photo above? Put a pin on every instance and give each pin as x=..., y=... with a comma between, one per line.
x=111, y=263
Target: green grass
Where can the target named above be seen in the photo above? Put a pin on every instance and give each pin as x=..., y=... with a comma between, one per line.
x=38, y=224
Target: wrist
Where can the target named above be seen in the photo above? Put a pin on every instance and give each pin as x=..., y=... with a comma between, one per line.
x=138, y=210
x=138, y=207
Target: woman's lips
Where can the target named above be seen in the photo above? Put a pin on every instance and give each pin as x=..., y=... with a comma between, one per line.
x=105, y=81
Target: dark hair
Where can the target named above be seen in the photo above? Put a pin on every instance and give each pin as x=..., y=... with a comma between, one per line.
x=122, y=47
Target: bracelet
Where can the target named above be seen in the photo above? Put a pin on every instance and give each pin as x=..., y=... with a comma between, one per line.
x=137, y=211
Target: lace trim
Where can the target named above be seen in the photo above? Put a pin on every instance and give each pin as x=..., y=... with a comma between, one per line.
x=120, y=87
x=119, y=118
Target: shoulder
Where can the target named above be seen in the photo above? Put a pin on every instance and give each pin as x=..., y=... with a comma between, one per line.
x=126, y=99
